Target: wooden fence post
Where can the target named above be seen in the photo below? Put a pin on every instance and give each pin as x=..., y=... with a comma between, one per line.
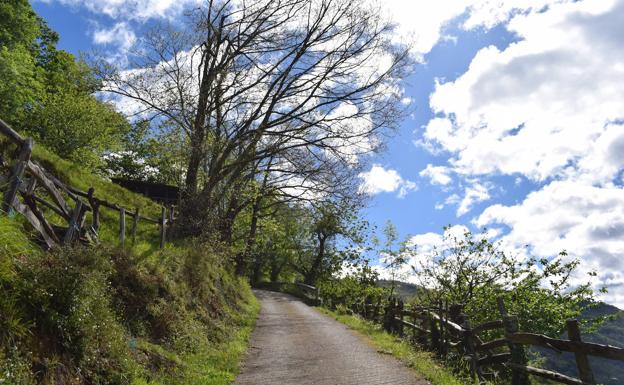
x=95, y=210
x=135, y=224
x=421, y=335
x=75, y=222
x=171, y=214
x=163, y=227
x=17, y=174
x=582, y=363
x=399, y=324
x=444, y=333
x=388, y=315
x=435, y=333
x=122, y=227
x=469, y=347
x=518, y=355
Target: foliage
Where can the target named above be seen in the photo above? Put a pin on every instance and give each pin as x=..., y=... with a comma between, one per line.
x=149, y=156
x=306, y=118
x=393, y=257
x=99, y=315
x=335, y=238
x=354, y=288
x=48, y=93
x=77, y=127
x=422, y=362
x=611, y=332
x=474, y=271
x=67, y=296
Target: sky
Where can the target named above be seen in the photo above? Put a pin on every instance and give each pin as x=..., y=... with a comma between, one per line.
x=515, y=120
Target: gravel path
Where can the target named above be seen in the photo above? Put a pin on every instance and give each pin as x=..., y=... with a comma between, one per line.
x=293, y=344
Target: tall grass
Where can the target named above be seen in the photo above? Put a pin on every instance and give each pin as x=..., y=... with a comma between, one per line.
x=422, y=362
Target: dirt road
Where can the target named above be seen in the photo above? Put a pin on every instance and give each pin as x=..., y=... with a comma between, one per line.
x=293, y=344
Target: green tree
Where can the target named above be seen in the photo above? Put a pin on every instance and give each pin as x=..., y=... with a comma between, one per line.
x=474, y=271
x=78, y=127
x=48, y=94
x=393, y=256
x=334, y=241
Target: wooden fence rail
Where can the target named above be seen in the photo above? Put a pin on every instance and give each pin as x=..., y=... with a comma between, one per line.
x=446, y=330
x=25, y=179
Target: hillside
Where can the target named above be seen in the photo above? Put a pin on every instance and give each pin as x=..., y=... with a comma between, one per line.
x=99, y=314
x=403, y=290
x=607, y=372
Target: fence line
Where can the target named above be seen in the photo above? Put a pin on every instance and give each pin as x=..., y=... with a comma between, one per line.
x=26, y=176
x=446, y=329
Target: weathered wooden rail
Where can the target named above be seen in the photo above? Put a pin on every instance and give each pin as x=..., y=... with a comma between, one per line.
x=39, y=189
x=447, y=330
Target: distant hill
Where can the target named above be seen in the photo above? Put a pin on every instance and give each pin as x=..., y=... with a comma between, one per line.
x=607, y=372
x=403, y=290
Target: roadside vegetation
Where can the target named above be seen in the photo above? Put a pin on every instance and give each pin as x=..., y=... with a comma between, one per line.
x=263, y=117
x=422, y=362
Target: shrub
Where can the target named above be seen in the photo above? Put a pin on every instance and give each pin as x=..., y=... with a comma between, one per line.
x=76, y=335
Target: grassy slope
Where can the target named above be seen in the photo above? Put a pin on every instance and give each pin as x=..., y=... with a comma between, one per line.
x=76, y=176
x=216, y=364
x=422, y=362
x=213, y=360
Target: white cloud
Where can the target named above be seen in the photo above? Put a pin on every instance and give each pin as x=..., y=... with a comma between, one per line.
x=133, y=9
x=378, y=180
x=540, y=104
x=419, y=23
x=420, y=249
x=120, y=35
x=473, y=194
x=547, y=108
x=422, y=23
x=437, y=174
x=587, y=221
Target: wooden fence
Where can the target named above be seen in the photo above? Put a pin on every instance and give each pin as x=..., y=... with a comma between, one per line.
x=31, y=190
x=446, y=330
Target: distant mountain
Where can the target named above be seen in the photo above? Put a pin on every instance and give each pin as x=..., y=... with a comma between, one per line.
x=403, y=290
x=606, y=372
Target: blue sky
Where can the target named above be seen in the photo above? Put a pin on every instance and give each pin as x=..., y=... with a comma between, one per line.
x=515, y=125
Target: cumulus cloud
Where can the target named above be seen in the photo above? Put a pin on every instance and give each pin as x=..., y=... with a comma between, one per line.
x=473, y=194
x=437, y=174
x=120, y=35
x=419, y=250
x=420, y=24
x=133, y=9
x=585, y=220
x=547, y=108
x=423, y=23
x=379, y=180
x=540, y=104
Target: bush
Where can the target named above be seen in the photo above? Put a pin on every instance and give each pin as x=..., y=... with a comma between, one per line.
x=95, y=315
x=76, y=336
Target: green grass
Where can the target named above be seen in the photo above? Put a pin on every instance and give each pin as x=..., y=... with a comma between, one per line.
x=209, y=338
x=217, y=364
x=76, y=176
x=423, y=363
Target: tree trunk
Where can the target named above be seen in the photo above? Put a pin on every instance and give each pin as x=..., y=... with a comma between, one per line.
x=312, y=274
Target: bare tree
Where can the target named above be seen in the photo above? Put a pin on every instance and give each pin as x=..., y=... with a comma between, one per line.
x=309, y=84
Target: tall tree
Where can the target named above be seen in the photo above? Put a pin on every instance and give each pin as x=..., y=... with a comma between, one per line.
x=48, y=93
x=334, y=236
x=309, y=84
